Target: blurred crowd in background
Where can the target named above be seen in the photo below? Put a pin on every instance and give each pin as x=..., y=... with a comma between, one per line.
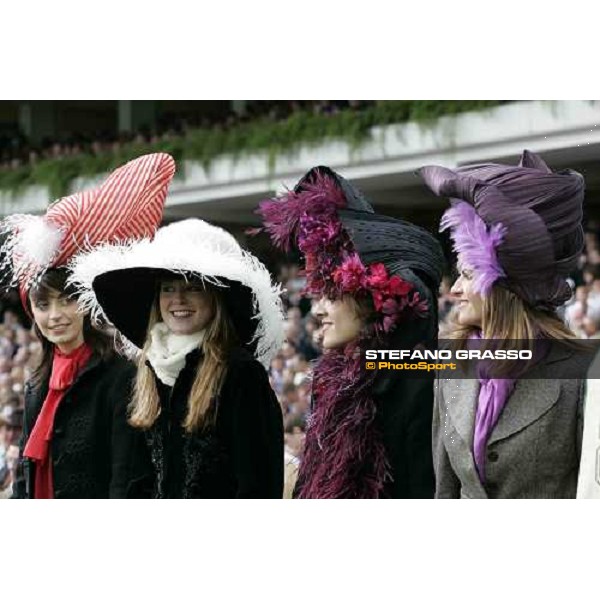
x=17, y=150
x=290, y=369
x=20, y=353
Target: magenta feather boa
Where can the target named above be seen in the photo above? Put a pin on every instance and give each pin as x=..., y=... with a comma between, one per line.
x=344, y=455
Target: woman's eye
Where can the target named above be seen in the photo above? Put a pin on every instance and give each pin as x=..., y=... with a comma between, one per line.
x=167, y=289
x=41, y=305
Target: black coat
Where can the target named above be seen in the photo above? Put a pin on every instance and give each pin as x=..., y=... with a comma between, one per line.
x=404, y=415
x=241, y=456
x=95, y=453
x=404, y=412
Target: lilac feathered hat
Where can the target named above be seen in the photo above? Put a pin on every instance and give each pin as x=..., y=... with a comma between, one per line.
x=518, y=227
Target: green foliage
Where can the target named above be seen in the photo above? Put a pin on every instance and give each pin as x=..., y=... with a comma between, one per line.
x=270, y=138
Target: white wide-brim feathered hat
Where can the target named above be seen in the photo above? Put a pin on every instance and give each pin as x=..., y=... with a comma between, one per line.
x=120, y=282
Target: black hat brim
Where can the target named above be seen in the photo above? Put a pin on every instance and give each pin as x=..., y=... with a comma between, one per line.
x=126, y=297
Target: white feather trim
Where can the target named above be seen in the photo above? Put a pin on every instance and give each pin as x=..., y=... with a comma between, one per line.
x=31, y=246
x=190, y=245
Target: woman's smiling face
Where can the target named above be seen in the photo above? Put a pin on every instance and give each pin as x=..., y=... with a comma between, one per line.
x=469, y=303
x=185, y=306
x=57, y=317
x=340, y=323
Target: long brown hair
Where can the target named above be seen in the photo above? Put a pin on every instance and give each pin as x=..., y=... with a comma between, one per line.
x=56, y=280
x=220, y=338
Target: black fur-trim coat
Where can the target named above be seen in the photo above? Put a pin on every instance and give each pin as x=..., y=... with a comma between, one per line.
x=241, y=456
x=95, y=452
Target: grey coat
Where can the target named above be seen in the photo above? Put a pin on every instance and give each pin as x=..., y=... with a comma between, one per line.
x=533, y=452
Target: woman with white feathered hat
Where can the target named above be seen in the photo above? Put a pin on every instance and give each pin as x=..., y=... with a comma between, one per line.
x=203, y=315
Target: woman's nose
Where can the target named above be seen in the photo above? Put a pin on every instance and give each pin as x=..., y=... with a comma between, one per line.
x=54, y=311
x=180, y=294
x=456, y=289
x=320, y=307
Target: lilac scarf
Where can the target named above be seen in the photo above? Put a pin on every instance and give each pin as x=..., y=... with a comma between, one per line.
x=493, y=396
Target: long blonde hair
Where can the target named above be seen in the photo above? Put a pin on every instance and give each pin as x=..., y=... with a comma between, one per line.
x=509, y=324
x=505, y=316
x=219, y=339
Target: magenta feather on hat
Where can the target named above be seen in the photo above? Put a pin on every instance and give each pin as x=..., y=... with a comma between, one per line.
x=283, y=216
x=476, y=244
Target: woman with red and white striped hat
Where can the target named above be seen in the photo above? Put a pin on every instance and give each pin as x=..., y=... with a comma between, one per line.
x=76, y=441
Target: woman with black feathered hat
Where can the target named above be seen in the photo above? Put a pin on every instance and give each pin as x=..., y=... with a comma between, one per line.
x=375, y=280
x=202, y=315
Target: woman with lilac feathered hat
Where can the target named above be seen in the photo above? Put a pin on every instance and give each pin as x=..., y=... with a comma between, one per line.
x=518, y=234
x=376, y=281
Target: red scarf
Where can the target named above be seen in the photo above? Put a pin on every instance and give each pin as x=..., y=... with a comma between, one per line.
x=65, y=368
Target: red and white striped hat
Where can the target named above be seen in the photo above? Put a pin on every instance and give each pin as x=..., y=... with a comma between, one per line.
x=127, y=205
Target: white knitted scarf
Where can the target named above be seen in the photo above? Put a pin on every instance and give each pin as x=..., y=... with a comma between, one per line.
x=167, y=351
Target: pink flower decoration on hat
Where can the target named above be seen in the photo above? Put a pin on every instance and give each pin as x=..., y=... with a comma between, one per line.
x=333, y=268
x=351, y=275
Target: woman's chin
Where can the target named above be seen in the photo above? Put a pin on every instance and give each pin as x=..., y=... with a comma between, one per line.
x=332, y=342
x=327, y=345
x=466, y=320
x=461, y=320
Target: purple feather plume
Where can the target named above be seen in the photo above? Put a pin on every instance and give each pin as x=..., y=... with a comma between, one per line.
x=475, y=244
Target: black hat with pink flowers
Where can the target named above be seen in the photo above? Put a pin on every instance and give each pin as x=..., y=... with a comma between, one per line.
x=348, y=249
